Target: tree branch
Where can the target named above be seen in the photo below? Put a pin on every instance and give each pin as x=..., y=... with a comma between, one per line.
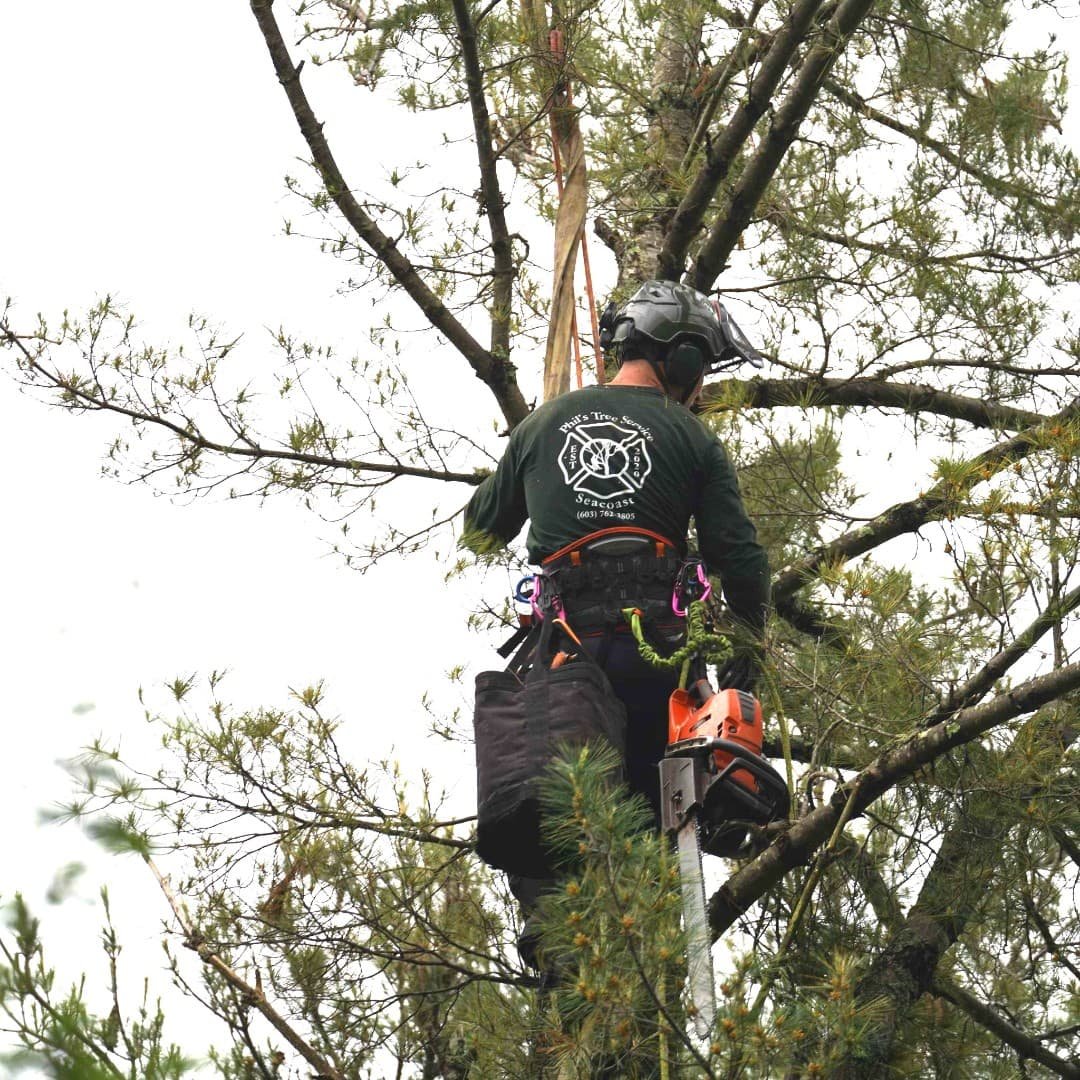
x=841, y=757
x=798, y=843
x=718, y=161
x=1066, y=843
x=908, y=517
x=979, y=684
x=195, y=941
x=914, y=257
x=814, y=392
x=1023, y=1043
x=891, y=915
x=966, y=862
x=30, y=987
x=759, y=172
x=992, y=183
x=739, y=59
x=494, y=371
x=192, y=439
x=808, y=620
x=902, y=972
x=494, y=204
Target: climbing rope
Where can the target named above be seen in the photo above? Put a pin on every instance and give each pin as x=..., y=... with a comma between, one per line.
x=701, y=643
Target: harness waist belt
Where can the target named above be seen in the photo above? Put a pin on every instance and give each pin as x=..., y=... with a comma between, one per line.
x=606, y=571
x=620, y=540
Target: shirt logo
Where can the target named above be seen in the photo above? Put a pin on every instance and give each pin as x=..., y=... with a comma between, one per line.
x=604, y=460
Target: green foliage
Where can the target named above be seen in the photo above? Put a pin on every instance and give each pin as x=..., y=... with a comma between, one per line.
x=911, y=459
x=787, y=478
x=61, y=1036
x=334, y=892
x=119, y=837
x=610, y=928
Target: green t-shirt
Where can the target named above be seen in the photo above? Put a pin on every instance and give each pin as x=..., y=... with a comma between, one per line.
x=606, y=456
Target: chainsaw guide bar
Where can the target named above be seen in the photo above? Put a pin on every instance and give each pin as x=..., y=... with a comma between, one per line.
x=714, y=784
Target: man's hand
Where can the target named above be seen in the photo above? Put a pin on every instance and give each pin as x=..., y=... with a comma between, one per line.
x=742, y=671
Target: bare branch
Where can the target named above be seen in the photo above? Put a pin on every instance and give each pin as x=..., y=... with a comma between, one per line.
x=494, y=204
x=494, y=371
x=816, y=392
x=193, y=440
x=782, y=131
x=718, y=161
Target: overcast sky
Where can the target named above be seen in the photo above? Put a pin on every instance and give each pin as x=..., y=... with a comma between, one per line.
x=145, y=147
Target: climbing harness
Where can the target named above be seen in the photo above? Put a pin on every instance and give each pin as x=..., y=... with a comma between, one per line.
x=604, y=572
x=600, y=574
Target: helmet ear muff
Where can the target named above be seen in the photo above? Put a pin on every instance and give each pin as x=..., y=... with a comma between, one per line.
x=685, y=364
x=607, y=326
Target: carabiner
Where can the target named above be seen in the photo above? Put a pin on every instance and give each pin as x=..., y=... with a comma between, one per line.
x=688, y=588
x=545, y=598
x=525, y=590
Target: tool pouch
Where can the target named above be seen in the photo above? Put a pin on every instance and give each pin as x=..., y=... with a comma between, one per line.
x=524, y=716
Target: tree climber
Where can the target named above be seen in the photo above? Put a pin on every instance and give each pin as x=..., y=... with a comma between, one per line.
x=609, y=477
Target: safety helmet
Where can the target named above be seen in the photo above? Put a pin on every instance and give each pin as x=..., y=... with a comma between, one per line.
x=688, y=333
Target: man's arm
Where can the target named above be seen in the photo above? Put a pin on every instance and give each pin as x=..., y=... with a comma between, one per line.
x=496, y=511
x=728, y=542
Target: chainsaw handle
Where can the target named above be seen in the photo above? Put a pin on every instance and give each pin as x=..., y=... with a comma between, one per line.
x=771, y=783
x=773, y=793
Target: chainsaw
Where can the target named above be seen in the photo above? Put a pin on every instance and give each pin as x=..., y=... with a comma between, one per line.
x=714, y=784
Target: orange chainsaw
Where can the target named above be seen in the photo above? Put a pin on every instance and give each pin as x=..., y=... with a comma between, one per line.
x=714, y=784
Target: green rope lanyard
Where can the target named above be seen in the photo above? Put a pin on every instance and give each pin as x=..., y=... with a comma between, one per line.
x=713, y=648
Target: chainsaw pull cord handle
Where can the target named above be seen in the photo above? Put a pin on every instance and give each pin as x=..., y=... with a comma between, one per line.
x=700, y=642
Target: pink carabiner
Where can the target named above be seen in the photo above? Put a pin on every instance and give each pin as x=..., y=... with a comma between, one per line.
x=706, y=591
x=534, y=600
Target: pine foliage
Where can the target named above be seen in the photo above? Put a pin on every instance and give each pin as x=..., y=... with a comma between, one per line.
x=887, y=195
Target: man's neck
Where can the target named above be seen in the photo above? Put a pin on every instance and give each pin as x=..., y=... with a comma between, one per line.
x=642, y=373
x=637, y=373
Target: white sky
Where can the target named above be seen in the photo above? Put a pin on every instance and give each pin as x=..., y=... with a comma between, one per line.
x=144, y=151
x=144, y=146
